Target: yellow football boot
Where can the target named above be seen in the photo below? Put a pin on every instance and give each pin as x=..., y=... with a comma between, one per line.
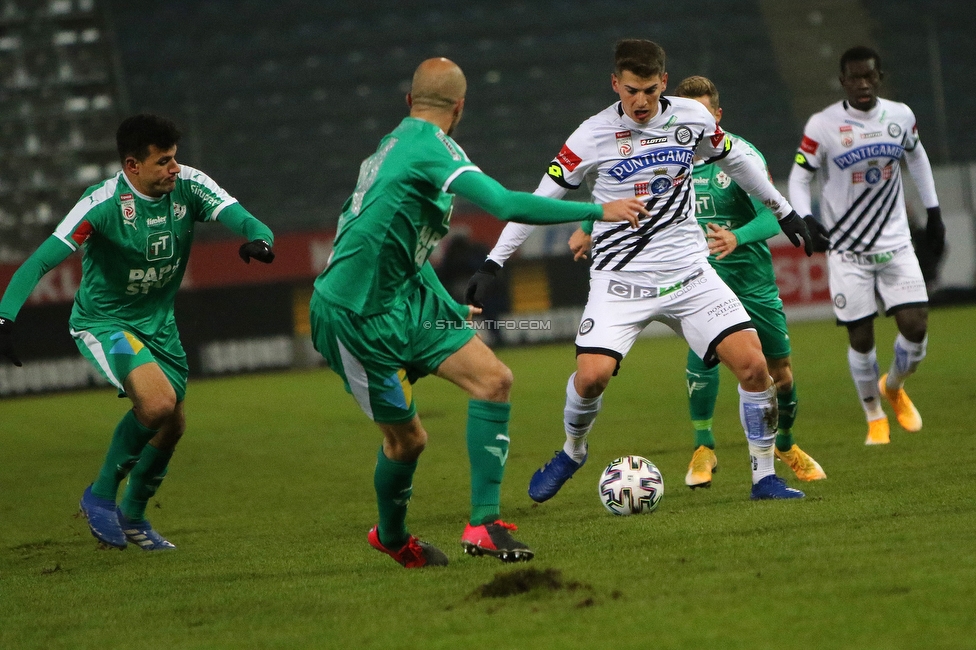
x=907, y=414
x=878, y=432
x=703, y=464
x=805, y=467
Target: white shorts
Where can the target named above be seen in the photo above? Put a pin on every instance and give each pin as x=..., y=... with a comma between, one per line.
x=701, y=309
x=854, y=279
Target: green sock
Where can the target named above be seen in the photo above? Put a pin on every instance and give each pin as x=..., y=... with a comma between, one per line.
x=144, y=480
x=787, y=416
x=702, y=394
x=128, y=441
x=393, y=482
x=487, y=451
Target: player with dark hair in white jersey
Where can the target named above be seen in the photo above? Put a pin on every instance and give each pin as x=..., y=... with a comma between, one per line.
x=644, y=145
x=855, y=147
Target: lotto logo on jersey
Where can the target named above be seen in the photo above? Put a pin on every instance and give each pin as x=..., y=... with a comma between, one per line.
x=568, y=159
x=809, y=145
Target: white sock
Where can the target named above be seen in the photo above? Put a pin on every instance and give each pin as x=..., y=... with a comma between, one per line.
x=578, y=417
x=758, y=412
x=907, y=357
x=864, y=371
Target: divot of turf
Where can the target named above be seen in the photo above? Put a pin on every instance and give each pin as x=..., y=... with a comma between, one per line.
x=520, y=581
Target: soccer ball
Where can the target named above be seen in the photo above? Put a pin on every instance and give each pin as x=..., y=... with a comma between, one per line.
x=631, y=485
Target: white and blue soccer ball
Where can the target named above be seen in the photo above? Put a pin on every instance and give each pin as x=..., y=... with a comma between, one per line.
x=631, y=485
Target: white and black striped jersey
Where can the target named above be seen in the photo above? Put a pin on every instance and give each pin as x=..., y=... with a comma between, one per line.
x=857, y=157
x=619, y=158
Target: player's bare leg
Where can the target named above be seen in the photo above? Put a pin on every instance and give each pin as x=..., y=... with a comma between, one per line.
x=742, y=353
x=802, y=464
x=488, y=381
x=910, y=347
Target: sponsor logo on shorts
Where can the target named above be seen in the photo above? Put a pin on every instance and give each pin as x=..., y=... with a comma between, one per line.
x=586, y=326
x=682, y=134
x=724, y=308
x=894, y=130
x=840, y=301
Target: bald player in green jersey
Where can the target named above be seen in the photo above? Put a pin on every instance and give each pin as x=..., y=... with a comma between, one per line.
x=737, y=227
x=382, y=319
x=136, y=230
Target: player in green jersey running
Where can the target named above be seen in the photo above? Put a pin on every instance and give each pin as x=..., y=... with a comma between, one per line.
x=382, y=319
x=737, y=227
x=136, y=230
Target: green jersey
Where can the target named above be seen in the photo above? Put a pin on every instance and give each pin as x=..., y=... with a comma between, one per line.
x=136, y=247
x=719, y=200
x=397, y=214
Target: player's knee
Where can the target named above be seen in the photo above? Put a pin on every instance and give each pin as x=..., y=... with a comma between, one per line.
x=591, y=382
x=498, y=384
x=752, y=373
x=914, y=327
x=782, y=377
x=157, y=411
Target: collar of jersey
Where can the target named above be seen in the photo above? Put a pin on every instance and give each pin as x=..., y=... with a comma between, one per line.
x=663, y=106
x=862, y=115
x=144, y=197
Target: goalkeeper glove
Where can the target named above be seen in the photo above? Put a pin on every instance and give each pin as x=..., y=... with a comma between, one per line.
x=480, y=282
x=7, y=341
x=258, y=249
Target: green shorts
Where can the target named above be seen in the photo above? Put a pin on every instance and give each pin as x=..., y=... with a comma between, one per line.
x=379, y=357
x=115, y=352
x=770, y=321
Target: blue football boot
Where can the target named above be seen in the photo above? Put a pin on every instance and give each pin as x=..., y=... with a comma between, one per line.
x=102, y=519
x=546, y=481
x=773, y=487
x=141, y=533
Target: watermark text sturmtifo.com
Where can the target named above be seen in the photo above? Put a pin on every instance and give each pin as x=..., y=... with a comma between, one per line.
x=490, y=324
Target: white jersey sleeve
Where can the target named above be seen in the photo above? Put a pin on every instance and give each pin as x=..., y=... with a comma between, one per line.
x=566, y=172
x=919, y=166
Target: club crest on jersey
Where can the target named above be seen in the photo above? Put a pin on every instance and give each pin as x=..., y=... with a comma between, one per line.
x=179, y=211
x=128, y=210
x=722, y=180
x=894, y=130
x=625, y=145
x=682, y=134
x=661, y=184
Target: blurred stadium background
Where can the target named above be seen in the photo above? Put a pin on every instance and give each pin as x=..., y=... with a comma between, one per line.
x=280, y=101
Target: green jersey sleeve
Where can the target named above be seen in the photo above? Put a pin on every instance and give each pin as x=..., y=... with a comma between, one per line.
x=49, y=254
x=521, y=207
x=206, y=199
x=244, y=223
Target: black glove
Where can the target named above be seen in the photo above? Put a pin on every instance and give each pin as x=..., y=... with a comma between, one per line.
x=258, y=249
x=7, y=341
x=820, y=235
x=480, y=282
x=795, y=230
x=935, y=233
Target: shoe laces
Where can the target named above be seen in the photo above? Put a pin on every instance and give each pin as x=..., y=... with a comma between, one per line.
x=504, y=524
x=412, y=550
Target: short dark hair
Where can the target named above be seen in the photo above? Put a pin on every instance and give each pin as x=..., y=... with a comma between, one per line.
x=138, y=132
x=644, y=58
x=859, y=53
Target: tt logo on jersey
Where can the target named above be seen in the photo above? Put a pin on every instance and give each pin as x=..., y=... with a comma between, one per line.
x=159, y=246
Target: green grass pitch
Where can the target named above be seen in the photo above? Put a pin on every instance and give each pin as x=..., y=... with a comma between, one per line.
x=270, y=497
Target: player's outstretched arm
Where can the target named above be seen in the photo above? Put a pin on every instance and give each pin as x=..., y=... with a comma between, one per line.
x=49, y=254
x=521, y=207
x=259, y=237
x=921, y=170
